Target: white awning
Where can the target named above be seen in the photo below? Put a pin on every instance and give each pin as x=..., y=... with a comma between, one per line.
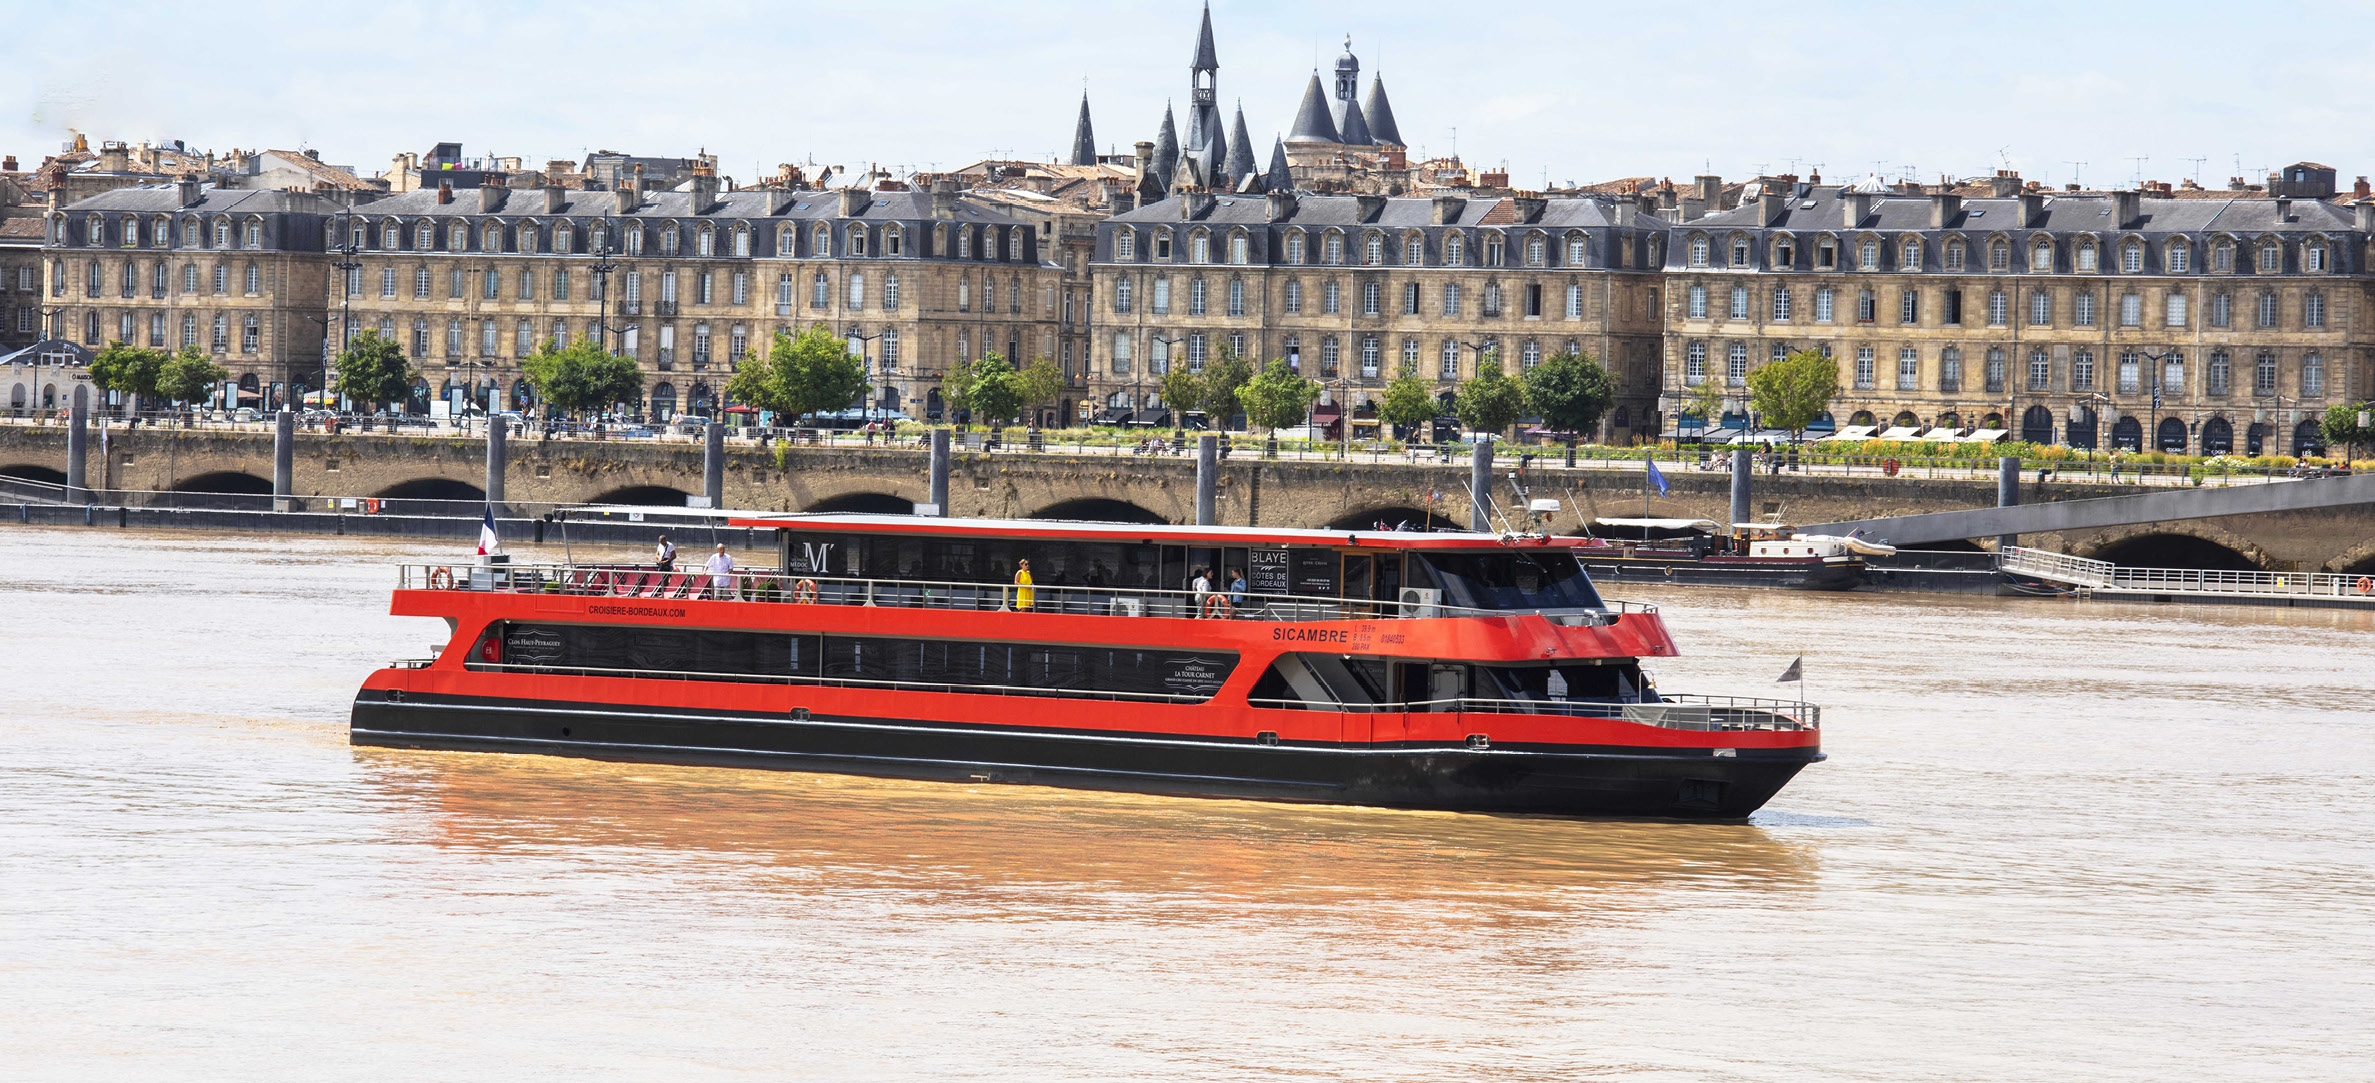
x=1852, y=432
x=1902, y=432
x=1708, y=525
x=1986, y=436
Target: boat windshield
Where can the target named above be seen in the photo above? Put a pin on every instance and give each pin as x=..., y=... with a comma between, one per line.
x=1514, y=580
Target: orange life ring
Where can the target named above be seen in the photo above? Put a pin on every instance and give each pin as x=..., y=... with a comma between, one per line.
x=441, y=579
x=804, y=592
x=2366, y=585
x=1217, y=605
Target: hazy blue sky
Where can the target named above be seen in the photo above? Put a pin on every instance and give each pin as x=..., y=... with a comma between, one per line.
x=1583, y=92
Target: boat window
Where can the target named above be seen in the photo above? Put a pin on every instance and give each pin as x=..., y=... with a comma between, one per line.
x=1616, y=682
x=1513, y=580
x=930, y=665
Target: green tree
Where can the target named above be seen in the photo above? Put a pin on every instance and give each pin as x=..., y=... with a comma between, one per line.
x=1704, y=401
x=189, y=376
x=1570, y=391
x=580, y=376
x=2341, y=424
x=1409, y=401
x=813, y=373
x=1792, y=392
x=373, y=369
x=1222, y=377
x=1182, y=391
x=130, y=370
x=1277, y=398
x=1490, y=401
x=992, y=390
x=1039, y=383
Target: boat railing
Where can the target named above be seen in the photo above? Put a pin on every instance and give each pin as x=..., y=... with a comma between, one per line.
x=1679, y=712
x=763, y=585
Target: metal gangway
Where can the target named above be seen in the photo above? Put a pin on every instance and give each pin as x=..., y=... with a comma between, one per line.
x=2101, y=578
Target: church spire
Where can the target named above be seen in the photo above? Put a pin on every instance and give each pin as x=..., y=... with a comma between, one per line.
x=1240, y=150
x=1084, y=140
x=1207, y=59
x=1380, y=114
x=1312, y=122
x=1166, y=147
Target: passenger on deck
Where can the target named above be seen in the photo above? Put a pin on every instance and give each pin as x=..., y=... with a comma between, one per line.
x=665, y=555
x=721, y=573
x=1024, y=596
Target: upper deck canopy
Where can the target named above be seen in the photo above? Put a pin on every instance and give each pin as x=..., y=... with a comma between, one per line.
x=1160, y=534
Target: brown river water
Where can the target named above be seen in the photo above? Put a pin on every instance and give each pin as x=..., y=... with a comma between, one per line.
x=2054, y=840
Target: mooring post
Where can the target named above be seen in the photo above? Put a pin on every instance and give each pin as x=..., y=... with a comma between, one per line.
x=1480, y=488
x=1207, y=480
x=1741, y=471
x=940, y=471
x=713, y=464
x=284, y=458
x=78, y=444
x=2007, y=495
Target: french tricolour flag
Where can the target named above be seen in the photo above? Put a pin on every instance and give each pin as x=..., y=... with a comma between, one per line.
x=487, y=542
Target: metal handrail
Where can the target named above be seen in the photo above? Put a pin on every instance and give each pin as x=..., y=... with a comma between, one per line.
x=2104, y=575
x=768, y=585
x=1693, y=712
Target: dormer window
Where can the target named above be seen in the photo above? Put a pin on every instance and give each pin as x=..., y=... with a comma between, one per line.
x=1199, y=247
x=1240, y=251
x=1826, y=255
x=2222, y=257
x=2313, y=257
x=1739, y=251
x=1868, y=255
x=1125, y=244
x=1785, y=253
x=669, y=239
x=741, y=241
x=1332, y=249
x=1294, y=247
x=2180, y=257
x=2041, y=257
x=1953, y=255
x=857, y=240
x=1578, y=250
x=1999, y=256
x=1414, y=250
x=2131, y=257
x=1455, y=249
x=2271, y=258
x=1909, y=255
x=1698, y=251
x=1373, y=250
x=894, y=243
x=2088, y=256
x=1163, y=244
x=97, y=227
x=1536, y=251
x=1494, y=250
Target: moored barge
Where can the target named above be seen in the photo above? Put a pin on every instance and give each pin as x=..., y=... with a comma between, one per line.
x=1438, y=671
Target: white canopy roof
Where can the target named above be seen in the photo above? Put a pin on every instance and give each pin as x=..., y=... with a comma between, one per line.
x=1852, y=432
x=1708, y=525
x=1902, y=432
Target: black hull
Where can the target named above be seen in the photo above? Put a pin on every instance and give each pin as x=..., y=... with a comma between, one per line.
x=1611, y=782
x=1708, y=573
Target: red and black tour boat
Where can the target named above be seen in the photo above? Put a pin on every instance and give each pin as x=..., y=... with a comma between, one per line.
x=1414, y=670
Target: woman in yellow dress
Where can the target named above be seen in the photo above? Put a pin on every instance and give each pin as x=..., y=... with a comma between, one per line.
x=1023, y=594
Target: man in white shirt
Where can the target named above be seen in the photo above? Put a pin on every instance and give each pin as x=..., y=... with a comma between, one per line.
x=721, y=573
x=665, y=554
x=1202, y=586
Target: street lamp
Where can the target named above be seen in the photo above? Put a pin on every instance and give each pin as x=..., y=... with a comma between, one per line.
x=866, y=363
x=348, y=282
x=602, y=266
x=1138, y=396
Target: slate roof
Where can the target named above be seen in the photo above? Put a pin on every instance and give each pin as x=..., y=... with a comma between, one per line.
x=1240, y=150
x=211, y=200
x=746, y=204
x=1206, y=57
x=1278, y=178
x=1402, y=213
x=1084, y=140
x=1355, y=128
x=1166, y=147
x=1313, y=122
x=1820, y=210
x=1379, y=112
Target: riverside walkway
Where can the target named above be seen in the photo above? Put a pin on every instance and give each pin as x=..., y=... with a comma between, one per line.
x=2103, y=579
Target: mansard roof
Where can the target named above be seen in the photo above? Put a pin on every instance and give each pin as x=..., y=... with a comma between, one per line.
x=166, y=198
x=749, y=203
x=1397, y=214
x=1313, y=123
x=1821, y=210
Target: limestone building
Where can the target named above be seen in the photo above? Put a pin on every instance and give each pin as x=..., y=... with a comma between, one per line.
x=1353, y=290
x=2223, y=322
x=687, y=282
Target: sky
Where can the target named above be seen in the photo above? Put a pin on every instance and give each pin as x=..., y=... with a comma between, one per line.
x=2104, y=93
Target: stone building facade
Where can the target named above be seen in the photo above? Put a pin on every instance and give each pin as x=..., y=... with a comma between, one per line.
x=239, y=274
x=471, y=281
x=1353, y=290
x=2057, y=316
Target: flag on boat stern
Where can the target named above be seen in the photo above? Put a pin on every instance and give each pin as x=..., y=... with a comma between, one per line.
x=1657, y=480
x=487, y=542
x=1795, y=672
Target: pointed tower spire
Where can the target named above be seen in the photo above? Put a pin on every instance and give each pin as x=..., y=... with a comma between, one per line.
x=1279, y=178
x=1240, y=150
x=1084, y=141
x=1379, y=112
x=1207, y=59
x=1312, y=122
x=1166, y=147
x=1355, y=129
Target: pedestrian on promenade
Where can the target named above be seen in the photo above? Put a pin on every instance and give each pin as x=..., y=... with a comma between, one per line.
x=721, y=573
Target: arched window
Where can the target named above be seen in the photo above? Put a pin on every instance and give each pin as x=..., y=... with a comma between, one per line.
x=1999, y=255
x=564, y=238
x=526, y=237
x=1125, y=244
x=1199, y=247
x=1494, y=250
x=1373, y=249
x=424, y=237
x=2222, y=256
x=2271, y=259
x=1909, y=255
x=457, y=237
x=705, y=242
x=1953, y=254
x=2314, y=257
x=1537, y=250
x=671, y=238
x=2041, y=256
x=1739, y=250
x=1867, y=256
x=1698, y=250
x=1239, y=248
x=1455, y=250
x=821, y=241
x=1579, y=250
x=2179, y=258
x=965, y=242
x=1332, y=249
x=2131, y=256
x=894, y=243
x=1297, y=248
x=491, y=238
x=857, y=239
x=1414, y=249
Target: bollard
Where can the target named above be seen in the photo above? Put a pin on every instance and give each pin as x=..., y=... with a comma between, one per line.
x=940, y=471
x=1741, y=472
x=78, y=445
x=2007, y=495
x=497, y=433
x=713, y=464
x=284, y=458
x=1480, y=488
x=1207, y=480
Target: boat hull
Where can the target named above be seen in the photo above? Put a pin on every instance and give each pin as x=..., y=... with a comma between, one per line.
x=1565, y=780
x=1724, y=572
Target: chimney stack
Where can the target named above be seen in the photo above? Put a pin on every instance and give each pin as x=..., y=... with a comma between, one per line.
x=1369, y=207
x=2126, y=208
x=944, y=197
x=1770, y=206
x=1854, y=207
x=1709, y=188
x=8, y=165
x=1282, y=206
x=1448, y=208
x=490, y=198
x=187, y=189
x=445, y=191
x=702, y=192
x=2032, y=211
x=1944, y=209
x=2364, y=212
x=854, y=202
x=555, y=197
x=2284, y=209
x=1530, y=208
x=629, y=197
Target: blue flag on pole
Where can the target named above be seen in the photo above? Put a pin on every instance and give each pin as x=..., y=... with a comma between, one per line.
x=1657, y=479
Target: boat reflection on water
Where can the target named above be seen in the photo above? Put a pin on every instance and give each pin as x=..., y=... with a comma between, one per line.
x=835, y=833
